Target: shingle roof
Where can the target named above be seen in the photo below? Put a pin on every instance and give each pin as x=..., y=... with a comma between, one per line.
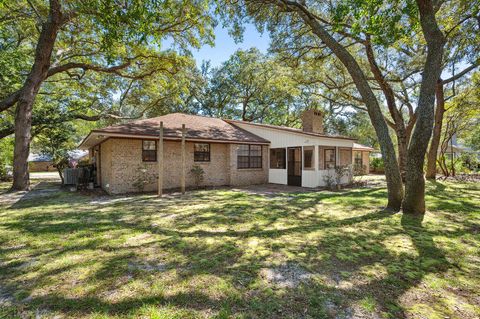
x=290, y=129
x=32, y=157
x=198, y=127
x=73, y=154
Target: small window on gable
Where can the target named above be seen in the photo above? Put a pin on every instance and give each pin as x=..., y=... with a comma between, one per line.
x=149, y=151
x=201, y=152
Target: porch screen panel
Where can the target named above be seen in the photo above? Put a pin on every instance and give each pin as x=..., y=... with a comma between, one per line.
x=277, y=158
x=321, y=156
x=358, y=159
x=365, y=161
x=308, y=157
x=345, y=156
x=298, y=161
x=329, y=159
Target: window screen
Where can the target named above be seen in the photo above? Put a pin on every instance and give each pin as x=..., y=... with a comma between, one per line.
x=249, y=156
x=329, y=158
x=277, y=158
x=201, y=152
x=308, y=157
x=358, y=159
x=345, y=155
x=149, y=151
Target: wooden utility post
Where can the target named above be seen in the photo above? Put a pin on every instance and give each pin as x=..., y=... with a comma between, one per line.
x=160, y=160
x=182, y=182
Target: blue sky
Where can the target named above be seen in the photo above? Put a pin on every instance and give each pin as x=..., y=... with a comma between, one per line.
x=225, y=46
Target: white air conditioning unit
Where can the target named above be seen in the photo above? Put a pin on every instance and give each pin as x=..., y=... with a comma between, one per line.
x=70, y=176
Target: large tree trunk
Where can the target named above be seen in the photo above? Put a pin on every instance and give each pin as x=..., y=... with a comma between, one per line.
x=437, y=133
x=414, y=201
x=60, y=173
x=392, y=173
x=23, y=114
x=398, y=124
x=402, y=153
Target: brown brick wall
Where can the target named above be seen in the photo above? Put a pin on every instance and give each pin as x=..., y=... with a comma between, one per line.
x=106, y=152
x=250, y=175
x=41, y=167
x=366, y=161
x=122, y=164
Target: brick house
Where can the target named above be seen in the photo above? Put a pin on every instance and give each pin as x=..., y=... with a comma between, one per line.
x=229, y=152
x=40, y=163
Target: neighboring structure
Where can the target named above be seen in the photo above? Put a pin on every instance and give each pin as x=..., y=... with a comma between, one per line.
x=44, y=163
x=40, y=163
x=230, y=152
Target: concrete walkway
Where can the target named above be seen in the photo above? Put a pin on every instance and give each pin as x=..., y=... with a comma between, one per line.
x=41, y=184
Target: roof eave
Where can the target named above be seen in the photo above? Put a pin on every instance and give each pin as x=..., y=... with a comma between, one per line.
x=233, y=122
x=168, y=138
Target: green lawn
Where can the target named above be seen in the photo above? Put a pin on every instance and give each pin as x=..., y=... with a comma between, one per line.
x=234, y=254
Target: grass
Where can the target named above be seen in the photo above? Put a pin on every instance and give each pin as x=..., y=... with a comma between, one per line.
x=206, y=255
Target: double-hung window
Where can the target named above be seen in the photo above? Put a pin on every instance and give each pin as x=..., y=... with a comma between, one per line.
x=149, y=151
x=201, y=152
x=249, y=156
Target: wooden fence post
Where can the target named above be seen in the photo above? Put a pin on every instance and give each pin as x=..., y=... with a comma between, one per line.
x=183, y=159
x=160, y=160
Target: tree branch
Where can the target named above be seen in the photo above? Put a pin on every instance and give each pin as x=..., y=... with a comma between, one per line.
x=462, y=73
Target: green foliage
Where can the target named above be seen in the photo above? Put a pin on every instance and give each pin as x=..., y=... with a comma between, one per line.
x=377, y=164
x=340, y=172
x=143, y=177
x=56, y=142
x=465, y=107
x=461, y=121
x=250, y=86
x=468, y=162
x=381, y=19
x=329, y=179
x=473, y=138
x=198, y=175
x=359, y=170
x=6, y=157
x=98, y=37
x=391, y=28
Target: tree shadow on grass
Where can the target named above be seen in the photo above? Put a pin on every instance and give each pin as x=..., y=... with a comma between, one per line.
x=404, y=271
x=323, y=244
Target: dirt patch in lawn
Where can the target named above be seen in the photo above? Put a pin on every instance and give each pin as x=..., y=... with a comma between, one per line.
x=288, y=275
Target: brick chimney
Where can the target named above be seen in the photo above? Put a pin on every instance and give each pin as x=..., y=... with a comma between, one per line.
x=312, y=121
